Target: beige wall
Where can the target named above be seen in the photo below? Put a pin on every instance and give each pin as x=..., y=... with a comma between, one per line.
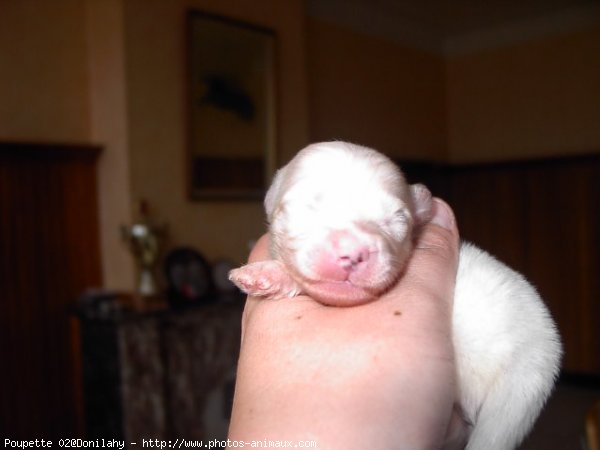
x=43, y=71
x=110, y=127
x=376, y=93
x=532, y=99
x=156, y=108
x=112, y=72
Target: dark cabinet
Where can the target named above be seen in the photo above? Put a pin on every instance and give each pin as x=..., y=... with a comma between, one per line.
x=161, y=375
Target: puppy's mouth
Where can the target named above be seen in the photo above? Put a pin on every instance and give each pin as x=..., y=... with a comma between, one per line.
x=339, y=293
x=352, y=289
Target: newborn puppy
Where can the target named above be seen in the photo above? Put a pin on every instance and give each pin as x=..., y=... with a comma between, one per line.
x=342, y=222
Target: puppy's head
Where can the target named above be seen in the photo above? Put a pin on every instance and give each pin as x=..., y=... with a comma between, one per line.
x=341, y=219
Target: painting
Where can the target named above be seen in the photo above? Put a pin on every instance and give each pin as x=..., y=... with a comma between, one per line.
x=231, y=103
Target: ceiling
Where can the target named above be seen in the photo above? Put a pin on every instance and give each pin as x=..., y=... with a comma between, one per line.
x=442, y=25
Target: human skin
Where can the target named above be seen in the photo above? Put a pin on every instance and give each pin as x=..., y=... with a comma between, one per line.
x=379, y=375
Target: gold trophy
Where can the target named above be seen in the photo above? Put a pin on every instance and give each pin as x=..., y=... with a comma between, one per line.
x=144, y=240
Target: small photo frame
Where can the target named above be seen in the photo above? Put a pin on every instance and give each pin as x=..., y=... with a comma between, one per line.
x=231, y=103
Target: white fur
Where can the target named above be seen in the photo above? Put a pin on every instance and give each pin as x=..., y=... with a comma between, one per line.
x=507, y=350
x=337, y=199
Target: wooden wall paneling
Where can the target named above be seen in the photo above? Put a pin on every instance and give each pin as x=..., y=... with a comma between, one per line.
x=20, y=325
x=83, y=260
x=553, y=262
x=489, y=203
x=541, y=217
x=587, y=235
x=51, y=294
x=563, y=250
x=590, y=232
x=47, y=194
x=435, y=176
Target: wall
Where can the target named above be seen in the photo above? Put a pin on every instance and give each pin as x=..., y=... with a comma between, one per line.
x=533, y=99
x=43, y=72
x=155, y=56
x=375, y=92
x=62, y=80
x=109, y=125
x=112, y=72
x=53, y=87
x=530, y=98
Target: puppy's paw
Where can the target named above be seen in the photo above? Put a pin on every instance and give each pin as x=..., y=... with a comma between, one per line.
x=267, y=279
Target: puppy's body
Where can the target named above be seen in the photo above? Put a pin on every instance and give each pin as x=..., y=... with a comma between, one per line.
x=342, y=220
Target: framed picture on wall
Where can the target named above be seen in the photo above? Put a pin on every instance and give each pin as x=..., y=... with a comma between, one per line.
x=231, y=107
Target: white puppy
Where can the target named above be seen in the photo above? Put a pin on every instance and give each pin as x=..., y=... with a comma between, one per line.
x=341, y=229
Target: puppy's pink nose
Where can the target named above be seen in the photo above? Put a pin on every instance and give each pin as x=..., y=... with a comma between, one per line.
x=352, y=261
x=350, y=252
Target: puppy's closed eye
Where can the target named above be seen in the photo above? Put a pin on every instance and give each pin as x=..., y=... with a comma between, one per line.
x=401, y=214
x=398, y=221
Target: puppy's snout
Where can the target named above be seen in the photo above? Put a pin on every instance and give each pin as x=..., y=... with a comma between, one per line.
x=353, y=259
x=350, y=251
x=345, y=256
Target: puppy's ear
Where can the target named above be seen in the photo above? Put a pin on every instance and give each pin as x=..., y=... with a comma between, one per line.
x=423, y=203
x=273, y=196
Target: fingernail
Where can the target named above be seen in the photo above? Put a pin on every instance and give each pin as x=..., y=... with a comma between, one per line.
x=442, y=215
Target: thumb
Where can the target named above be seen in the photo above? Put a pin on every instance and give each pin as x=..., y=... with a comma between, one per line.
x=434, y=262
x=260, y=251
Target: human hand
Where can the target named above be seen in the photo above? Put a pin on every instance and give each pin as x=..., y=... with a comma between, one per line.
x=379, y=375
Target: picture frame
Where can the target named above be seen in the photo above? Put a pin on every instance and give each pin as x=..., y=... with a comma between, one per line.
x=231, y=107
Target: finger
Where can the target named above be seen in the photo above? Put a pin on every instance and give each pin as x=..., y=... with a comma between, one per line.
x=260, y=252
x=434, y=261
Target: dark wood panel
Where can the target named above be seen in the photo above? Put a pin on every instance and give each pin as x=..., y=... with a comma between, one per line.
x=435, y=176
x=490, y=210
x=553, y=254
x=50, y=253
x=543, y=219
x=563, y=254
